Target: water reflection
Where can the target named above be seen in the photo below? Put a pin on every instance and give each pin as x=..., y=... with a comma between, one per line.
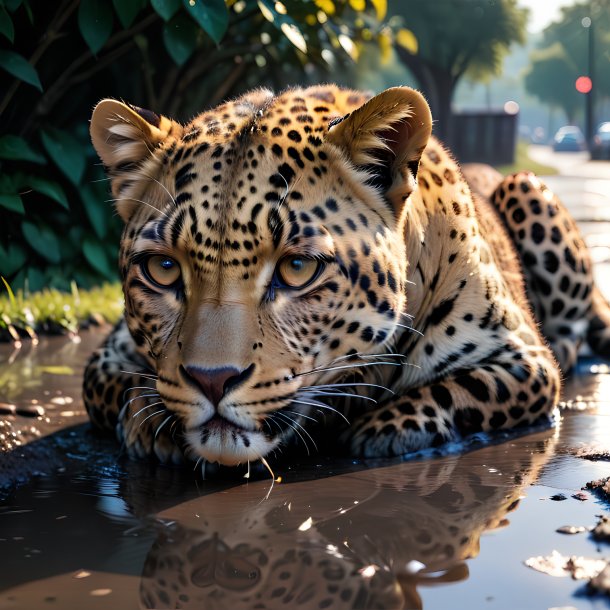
x=361, y=540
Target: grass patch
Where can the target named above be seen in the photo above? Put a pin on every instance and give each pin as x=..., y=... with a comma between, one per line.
x=51, y=311
x=523, y=162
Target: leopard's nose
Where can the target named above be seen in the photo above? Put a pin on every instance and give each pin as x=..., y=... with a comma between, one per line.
x=216, y=382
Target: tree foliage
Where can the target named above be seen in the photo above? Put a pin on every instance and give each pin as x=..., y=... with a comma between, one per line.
x=453, y=39
x=563, y=56
x=57, y=59
x=551, y=79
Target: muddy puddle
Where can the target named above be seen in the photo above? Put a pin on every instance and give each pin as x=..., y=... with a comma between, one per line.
x=81, y=527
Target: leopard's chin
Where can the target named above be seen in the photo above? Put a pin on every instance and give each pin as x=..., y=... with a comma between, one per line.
x=220, y=440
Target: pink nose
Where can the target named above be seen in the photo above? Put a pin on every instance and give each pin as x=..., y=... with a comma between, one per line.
x=215, y=383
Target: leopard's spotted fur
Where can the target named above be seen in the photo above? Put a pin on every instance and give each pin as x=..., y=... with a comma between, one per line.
x=419, y=286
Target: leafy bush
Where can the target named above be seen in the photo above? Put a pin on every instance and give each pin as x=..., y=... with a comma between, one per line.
x=57, y=59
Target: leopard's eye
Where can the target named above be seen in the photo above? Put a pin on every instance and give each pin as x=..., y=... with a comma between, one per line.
x=162, y=270
x=297, y=271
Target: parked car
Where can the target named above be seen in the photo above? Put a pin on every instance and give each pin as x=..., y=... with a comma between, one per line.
x=569, y=138
x=600, y=149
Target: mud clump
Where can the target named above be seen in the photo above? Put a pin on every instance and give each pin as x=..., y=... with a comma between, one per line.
x=601, y=487
x=601, y=582
x=601, y=532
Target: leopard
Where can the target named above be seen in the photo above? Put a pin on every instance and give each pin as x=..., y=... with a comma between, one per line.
x=314, y=265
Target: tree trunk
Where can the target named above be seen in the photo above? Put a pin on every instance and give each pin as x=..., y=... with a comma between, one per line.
x=438, y=86
x=442, y=113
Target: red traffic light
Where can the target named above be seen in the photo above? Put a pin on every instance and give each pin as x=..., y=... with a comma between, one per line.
x=583, y=84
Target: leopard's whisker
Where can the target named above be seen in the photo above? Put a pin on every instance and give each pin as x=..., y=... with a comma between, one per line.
x=347, y=394
x=270, y=419
x=417, y=332
x=128, y=402
x=151, y=415
x=162, y=186
x=346, y=385
x=145, y=375
x=358, y=355
x=300, y=415
x=139, y=387
x=138, y=201
x=295, y=425
x=316, y=403
x=163, y=424
x=349, y=366
x=154, y=404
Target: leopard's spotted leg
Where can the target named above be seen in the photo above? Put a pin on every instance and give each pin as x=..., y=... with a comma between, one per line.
x=515, y=389
x=556, y=263
x=598, y=333
x=119, y=394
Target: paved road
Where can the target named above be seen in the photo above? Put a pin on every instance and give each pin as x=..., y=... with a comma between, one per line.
x=570, y=164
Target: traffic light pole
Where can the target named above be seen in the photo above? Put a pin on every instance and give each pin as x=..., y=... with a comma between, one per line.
x=589, y=105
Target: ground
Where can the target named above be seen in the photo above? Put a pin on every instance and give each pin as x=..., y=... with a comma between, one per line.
x=391, y=528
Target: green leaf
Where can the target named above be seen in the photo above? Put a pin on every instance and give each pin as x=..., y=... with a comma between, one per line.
x=19, y=66
x=67, y=153
x=180, y=37
x=166, y=8
x=12, y=5
x=11, y=294
x=36, y=279
x=12, y=202
x=98, y=210
x=211, y=15
x=12, y=258
x=95, y=23
x=96, y=256
x=42, y=239
x=6, y=24
x=15, y=148
x=51, y=189
x=127, y=10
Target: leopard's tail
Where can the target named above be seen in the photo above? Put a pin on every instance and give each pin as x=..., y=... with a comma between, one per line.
x=598, y=333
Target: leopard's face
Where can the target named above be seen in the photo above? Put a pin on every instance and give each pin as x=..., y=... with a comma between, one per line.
x=258, y=265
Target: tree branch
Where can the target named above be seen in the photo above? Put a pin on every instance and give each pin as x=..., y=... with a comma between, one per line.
x=54, y=93
x=48, y=38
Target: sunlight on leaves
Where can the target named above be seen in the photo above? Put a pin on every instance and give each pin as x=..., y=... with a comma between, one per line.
x=348, y=46
x=326, y=5
x=267, y=14
x=293, y=34
x=406, y=39
x=381, y=8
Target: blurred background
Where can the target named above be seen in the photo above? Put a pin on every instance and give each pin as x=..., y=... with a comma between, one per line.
x=515, y=83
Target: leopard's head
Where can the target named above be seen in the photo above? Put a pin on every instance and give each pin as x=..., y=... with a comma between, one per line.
x=263, y=252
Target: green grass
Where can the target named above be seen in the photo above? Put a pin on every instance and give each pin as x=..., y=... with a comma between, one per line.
x=52, y=311
x=523, y=162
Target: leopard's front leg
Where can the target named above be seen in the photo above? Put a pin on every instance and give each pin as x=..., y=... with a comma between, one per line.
x=119, y=392
x=513, y=390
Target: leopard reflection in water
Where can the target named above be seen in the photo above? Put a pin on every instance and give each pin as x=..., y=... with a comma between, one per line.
x=371, y=539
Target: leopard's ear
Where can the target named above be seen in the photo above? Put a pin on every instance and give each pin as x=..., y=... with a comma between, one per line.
x=386, y=137
x=126, y=138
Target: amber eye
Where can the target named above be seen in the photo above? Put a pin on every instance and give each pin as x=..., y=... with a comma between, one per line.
x=297, y=271
x=162, y=270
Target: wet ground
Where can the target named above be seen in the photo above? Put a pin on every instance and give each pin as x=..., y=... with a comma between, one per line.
x=82, y=527
x=89, y=529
